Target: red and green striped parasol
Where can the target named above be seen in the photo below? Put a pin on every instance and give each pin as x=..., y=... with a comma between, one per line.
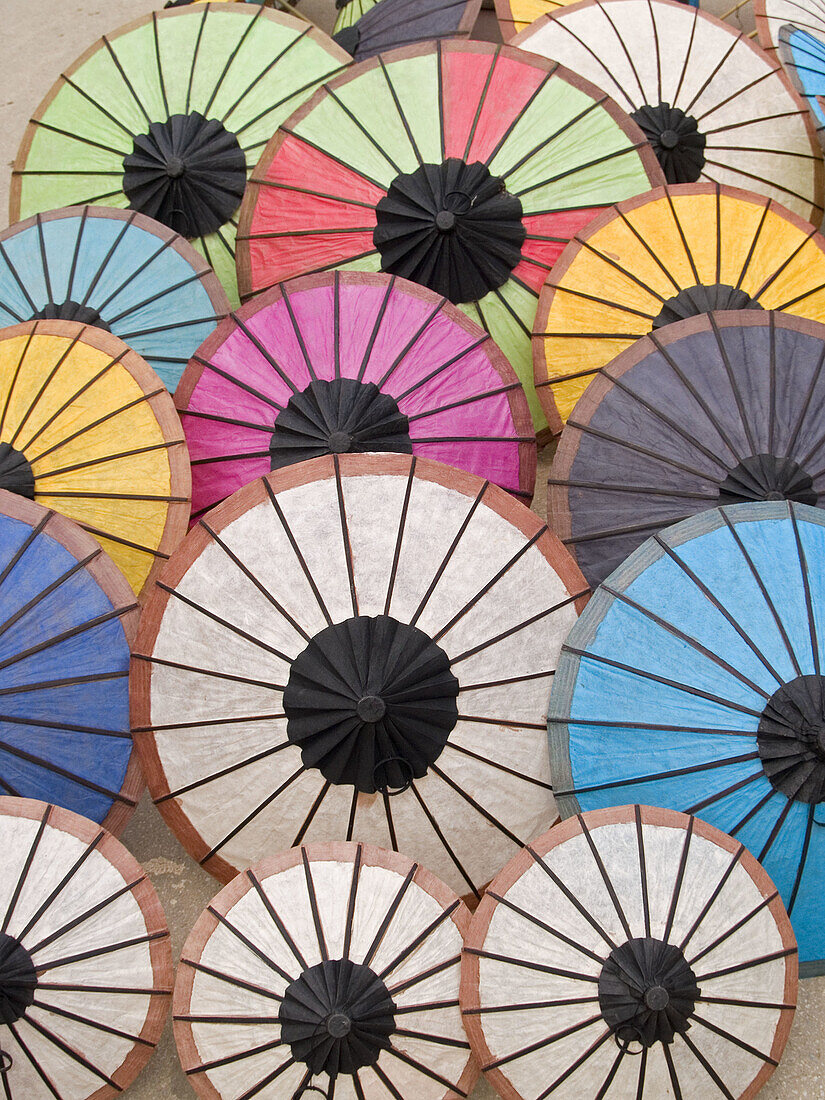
x=463, y=166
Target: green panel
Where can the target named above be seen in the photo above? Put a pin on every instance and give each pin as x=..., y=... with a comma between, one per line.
x=74, y=115
x=136, y=53
x=369, y=99
x=591, y=137
x=39, y=193
x=178, y=39
x=329, y=127
x=222, y=34
x=372, y=262
x=286, y=85
x=219, y=251
x=415, y=81
x=352, y=12
x=511, y=337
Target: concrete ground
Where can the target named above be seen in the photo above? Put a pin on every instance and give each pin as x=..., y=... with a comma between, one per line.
x=40, y=38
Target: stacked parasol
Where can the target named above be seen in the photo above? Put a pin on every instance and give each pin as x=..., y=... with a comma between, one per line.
x=276, y=556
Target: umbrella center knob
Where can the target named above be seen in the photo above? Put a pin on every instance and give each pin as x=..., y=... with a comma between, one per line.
x=669, y=139
x=336, y=1017
x=339, y=1025
x=445, y=221
x=371, y=708
x=766, y=477
x=175, y=168
x=657, y=998
x=340, y=443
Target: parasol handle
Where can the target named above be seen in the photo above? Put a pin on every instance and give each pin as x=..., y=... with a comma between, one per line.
x=624, y=1044
x=405, y=767
x=302, y=1090
x=6, y=1062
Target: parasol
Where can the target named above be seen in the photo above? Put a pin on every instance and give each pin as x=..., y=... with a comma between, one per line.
x=718, y=409
x=117, y=270
x=357, y=647
x=85, y=962
x=68, y=621
x=167, y=115
x=463, y=166
x=699, y=660
x=327, y=970
x=394, y=23
x=659, y=258
x=88, y=428
x=772, y=15
x=350, y=361
x=710, y=102
x=803, y=58
x=631, y=952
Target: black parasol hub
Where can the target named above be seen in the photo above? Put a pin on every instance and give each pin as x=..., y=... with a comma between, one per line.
x=338, y=416
x=69, y=310
x=452, y=227
x=18, y=979
x=16, y=475
x=371, y=702
x=767, y=477
x=188, y=172
x=348, y=38
x=675, y=139
x=337, y=1017
x=647, y=992
x=693, y=300
x=791, y=739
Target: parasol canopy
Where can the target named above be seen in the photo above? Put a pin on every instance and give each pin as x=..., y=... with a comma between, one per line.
x=358, y=647
x=394, y=23
x=88, y=428
x=69, y=619
x=85, y=962
x=463, y=166
x=699, y=661
x=712, y=104
x=718, y=409
x=331, y=969
x=772, y=15
x=673, y=253
x=350, y=362
x=803, y=58
x=117, y=270
x=168, y=114
x=630, y=952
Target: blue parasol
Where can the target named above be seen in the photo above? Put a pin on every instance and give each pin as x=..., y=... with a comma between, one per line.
x=803, y=57
x=695, y=680
x=117, y=270
x=67, y=618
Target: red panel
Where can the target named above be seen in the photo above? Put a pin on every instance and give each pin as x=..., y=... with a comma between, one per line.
x=512, y=85
x=463, y=78
x=297, y=164
x=281, y=258
x=530, y=275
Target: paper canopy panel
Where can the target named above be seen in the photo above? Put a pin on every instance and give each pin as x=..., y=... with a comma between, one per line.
x=718, y=409
x=630, y=952
x=117, y=270
x=699, y=663
x=351, y=362
x=463, y=166
x=85, y=962
x=68, y=618
x=357, y=646
x=89, y=429
x=332, y=970
x=661, y=257
x=168, y=115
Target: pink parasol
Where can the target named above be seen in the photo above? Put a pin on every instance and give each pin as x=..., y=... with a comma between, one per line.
x=351, y=362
